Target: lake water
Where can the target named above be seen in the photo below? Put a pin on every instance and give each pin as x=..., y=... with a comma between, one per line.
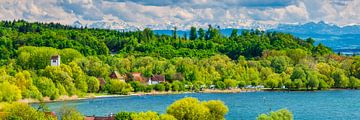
x=321, y=105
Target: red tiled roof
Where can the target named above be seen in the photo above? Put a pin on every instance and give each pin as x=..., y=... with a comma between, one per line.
x=99, y=118
x=52, y=114
x=115, y=75
x=89, y=118
x=159, y=78
x=55, y=57
x=136, y=76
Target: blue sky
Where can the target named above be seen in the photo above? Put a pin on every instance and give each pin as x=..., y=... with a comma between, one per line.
x=147, y=12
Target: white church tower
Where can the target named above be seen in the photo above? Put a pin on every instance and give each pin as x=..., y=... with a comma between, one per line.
x=55, y=60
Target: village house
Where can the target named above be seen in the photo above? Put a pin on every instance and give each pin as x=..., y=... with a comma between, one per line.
x=51, y=114
x=111, y=117
x=55, y=60
x=136, y=76
x=156, y=79
x=117, y=76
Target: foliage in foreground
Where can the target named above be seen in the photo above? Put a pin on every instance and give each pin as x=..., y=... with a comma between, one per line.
x=183, y=109
x=70, y=113
x=21, y=111
x=282, y=114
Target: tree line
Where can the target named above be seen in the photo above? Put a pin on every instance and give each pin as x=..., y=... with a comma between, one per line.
x=201, y=43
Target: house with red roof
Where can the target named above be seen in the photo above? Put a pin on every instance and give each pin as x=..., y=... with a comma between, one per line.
x=136, y=76
x=156, y=79
x=55, y=60
x=117, y=76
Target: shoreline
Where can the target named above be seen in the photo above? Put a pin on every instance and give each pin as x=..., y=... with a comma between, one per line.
x=31, y=101
x=92, y=96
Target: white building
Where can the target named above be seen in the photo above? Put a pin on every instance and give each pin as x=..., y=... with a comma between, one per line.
x=55, y=60
x=156, y=79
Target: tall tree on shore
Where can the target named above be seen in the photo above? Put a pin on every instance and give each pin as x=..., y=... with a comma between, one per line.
x=201, y=33
x=185, y=36
x=208, y=33
x=147, y=35
x=193, y=34
x=234, y=34
x=175, y=33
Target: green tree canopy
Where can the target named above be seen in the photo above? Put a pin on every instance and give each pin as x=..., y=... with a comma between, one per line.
x=282, y=114
x=22, y=111
x=193, y=34
x=193, y=109
x=9, y=92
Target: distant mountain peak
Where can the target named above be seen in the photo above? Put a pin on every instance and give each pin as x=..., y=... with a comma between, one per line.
x=320, y=27
x=322, y=22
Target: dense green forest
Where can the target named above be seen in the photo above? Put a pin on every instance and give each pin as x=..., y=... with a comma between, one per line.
x=202, y=58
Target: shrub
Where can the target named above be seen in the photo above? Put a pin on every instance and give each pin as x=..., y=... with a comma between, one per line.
x=193, y=109
x=282, y=114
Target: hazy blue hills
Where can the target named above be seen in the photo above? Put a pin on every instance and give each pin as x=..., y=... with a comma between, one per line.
x=344, y=39
x=318, y=28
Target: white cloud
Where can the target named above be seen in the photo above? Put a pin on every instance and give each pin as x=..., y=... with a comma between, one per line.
x=33, y=10
x=341, y=12
x=143, y=12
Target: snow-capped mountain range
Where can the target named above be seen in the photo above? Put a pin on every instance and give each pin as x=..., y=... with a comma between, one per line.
x=120, y=25
x=307, y=28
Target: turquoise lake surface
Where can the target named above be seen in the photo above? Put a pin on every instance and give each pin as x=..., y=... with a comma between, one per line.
x=320, y=105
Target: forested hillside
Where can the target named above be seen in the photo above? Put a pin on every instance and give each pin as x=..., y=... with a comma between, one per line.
x=201, y=43
x=202, y=58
